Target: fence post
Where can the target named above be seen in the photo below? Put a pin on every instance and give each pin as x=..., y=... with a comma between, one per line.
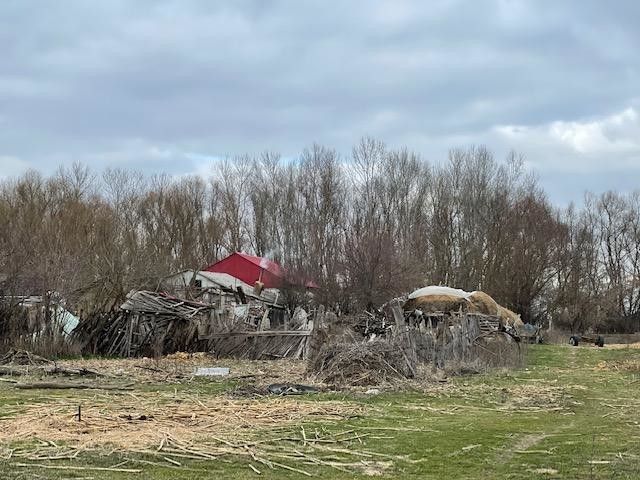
x=405, y=336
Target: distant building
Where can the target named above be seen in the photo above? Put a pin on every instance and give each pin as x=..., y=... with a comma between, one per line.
x=251, y=269
x=211, y=284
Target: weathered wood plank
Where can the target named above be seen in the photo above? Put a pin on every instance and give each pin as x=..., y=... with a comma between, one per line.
x=262, y=333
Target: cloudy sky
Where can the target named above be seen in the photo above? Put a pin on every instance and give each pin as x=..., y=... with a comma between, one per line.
x=171, y=85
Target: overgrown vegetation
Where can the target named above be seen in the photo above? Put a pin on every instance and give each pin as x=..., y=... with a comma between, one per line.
x=368, y=227
x=38, y=330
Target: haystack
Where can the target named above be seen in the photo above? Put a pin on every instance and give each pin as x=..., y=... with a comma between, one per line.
x=439, y=299
x=437, y=304
x=482, y=303
x=508, y=317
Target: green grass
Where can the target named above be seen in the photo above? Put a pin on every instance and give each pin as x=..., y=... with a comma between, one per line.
x=564, y=416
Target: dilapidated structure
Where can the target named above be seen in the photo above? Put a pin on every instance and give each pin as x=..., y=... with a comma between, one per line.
x=201, y=310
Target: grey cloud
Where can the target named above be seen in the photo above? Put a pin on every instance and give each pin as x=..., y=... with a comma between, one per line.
x=101, y=82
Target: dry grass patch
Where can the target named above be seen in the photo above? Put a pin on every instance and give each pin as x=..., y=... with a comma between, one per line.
x=628, y=365
x=173, y=429
x=623, y=346
x=180, y=366
x=141, y=420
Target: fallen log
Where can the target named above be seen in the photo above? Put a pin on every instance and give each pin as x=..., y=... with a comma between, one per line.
x=18, y=370
x=61, y=386
x=57, y=370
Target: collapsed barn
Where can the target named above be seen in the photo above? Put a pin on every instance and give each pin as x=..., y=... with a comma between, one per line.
x=233, y=308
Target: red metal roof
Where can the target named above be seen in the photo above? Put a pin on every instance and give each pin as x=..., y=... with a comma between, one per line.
x=250, y=269
x=264, y=263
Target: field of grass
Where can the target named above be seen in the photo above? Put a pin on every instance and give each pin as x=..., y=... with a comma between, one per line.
x=573, y=413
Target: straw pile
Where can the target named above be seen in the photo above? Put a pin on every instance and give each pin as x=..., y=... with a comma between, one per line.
x=370, y=363
x=445, y=300
x=482, y=303
x=437, y=304
x=135, y=421
x=172, y=429
x=508, y=317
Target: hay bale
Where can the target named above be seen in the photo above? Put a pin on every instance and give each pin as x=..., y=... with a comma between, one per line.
x=363, y=363
x=509, y=318
x=437, y=304
x=481, y=302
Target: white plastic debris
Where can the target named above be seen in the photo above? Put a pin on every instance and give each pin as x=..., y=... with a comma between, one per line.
x=439, y=290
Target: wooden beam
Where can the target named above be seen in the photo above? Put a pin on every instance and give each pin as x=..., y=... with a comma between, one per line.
x=263, y=333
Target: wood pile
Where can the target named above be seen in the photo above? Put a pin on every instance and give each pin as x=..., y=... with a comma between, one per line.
x=127, y=334
x=453, y=343
x=486, y=323
x=163, y=304
x=369, y=323
x=361, y=363
x=244, y=339
x=260, y=345
x=23, y=357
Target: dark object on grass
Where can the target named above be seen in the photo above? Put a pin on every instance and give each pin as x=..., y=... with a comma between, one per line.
x=290, y=389
x=132, y=418
x=597, y=340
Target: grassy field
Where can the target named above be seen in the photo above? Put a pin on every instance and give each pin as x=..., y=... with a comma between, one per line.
x=573, y=413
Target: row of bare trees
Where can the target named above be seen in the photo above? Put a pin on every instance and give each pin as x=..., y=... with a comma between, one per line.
x=366, y=228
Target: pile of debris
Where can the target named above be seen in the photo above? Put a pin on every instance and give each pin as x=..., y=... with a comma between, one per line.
x=148, y=323
x=361, y=363
x=369, y=360
x=372, y=323
x=438, y=325
x=23, y=357
x=394, y=340
x=156, y=324
x=163, y=304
